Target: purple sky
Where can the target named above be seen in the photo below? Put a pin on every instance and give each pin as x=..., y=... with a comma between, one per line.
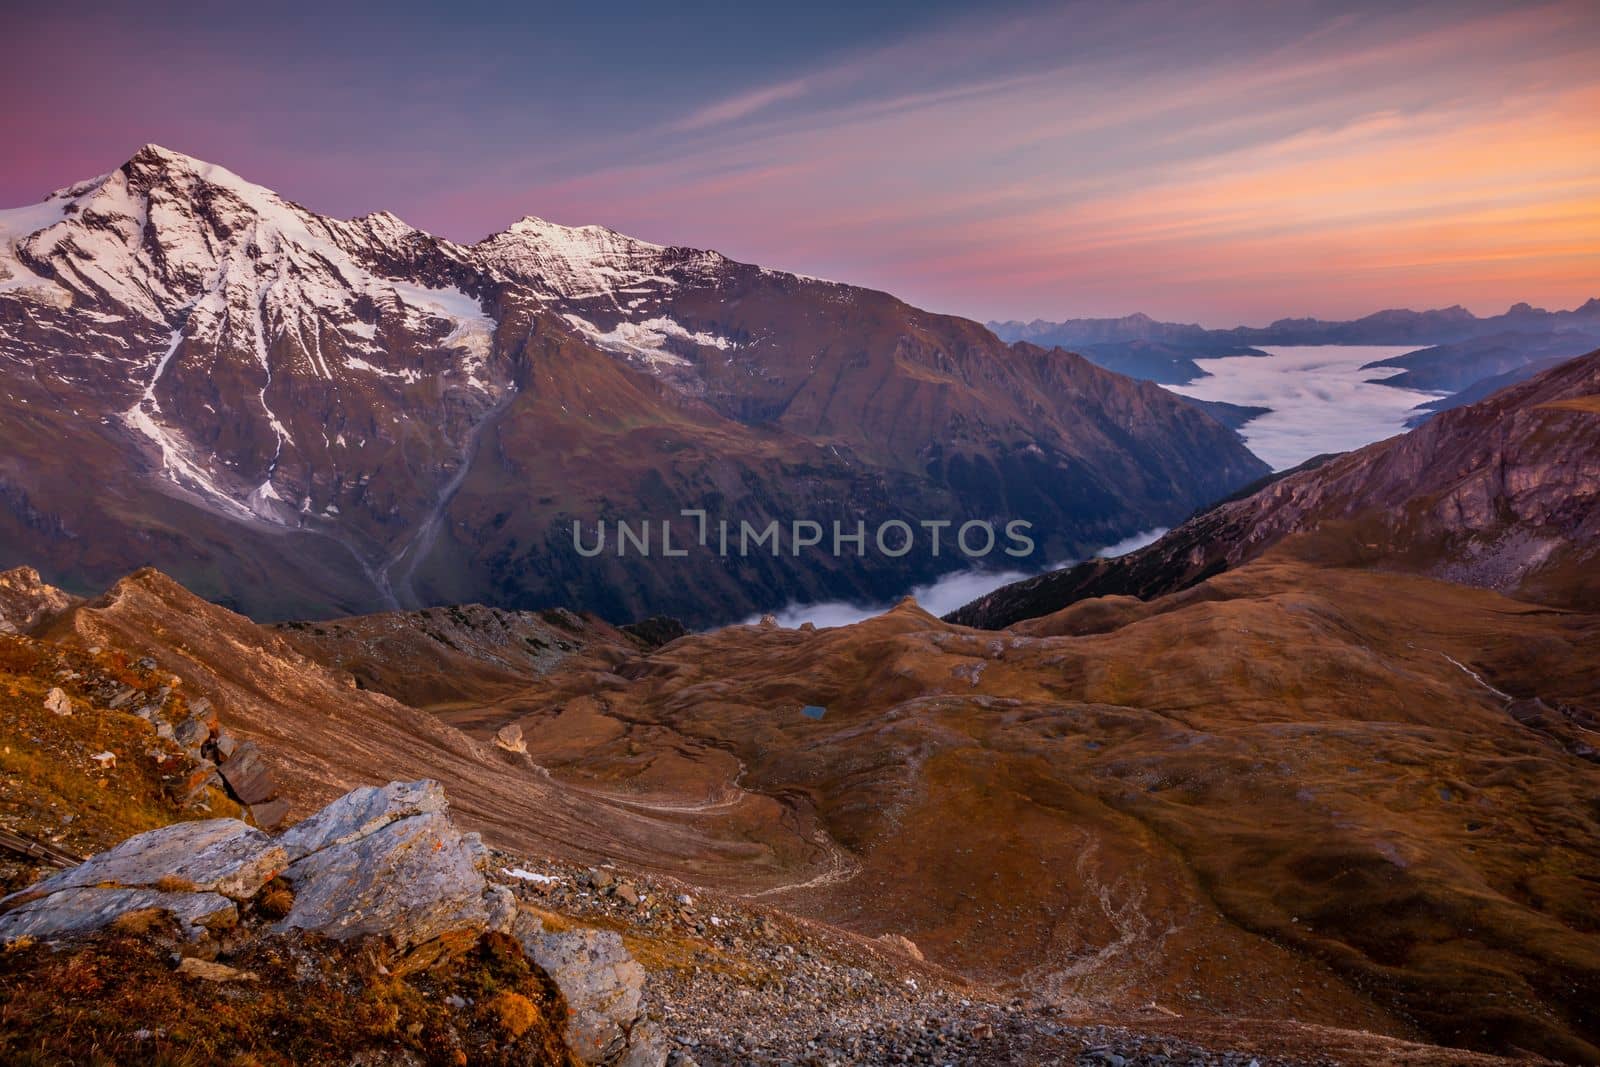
x=1215, y=162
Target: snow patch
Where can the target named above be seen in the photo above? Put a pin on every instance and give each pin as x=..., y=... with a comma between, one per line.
x=262, y=499
x=409, y=375
x=177, y=460
x=17, y=224
x=474, y=329
x=647, y=340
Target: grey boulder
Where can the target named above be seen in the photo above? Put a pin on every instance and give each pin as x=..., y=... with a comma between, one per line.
x=378, y=861
x=83, y=909
x=412, y=880
x=223, y=856
x=361, y=812
x=194, y=870
x=604, y=988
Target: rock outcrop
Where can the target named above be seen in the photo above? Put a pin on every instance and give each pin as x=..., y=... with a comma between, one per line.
x=221, y=760
x=222, y=856
x=380, y=862
x=388, y=862
x=509, y=737
x=377, y=862
x=901, y=943
x=604, y=987
x=26, y=601
x=199, y=872
x=237, y=765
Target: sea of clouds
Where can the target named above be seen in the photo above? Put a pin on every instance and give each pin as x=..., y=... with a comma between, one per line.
x=939, y=597
x=1321, y=399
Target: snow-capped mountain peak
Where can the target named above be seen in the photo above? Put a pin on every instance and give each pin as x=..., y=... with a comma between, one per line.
x=181, y=274
x=580, y=263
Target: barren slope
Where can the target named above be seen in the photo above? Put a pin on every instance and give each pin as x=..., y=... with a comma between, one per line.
x=1296, y=792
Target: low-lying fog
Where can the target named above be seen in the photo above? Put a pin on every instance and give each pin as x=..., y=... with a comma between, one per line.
x=1320, y=398
x=941, y=596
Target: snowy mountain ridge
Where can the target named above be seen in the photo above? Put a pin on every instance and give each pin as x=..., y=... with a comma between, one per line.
x=265, y=396
x=172, y=253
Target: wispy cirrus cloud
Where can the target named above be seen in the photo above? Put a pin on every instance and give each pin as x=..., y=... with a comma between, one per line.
x=742, y=106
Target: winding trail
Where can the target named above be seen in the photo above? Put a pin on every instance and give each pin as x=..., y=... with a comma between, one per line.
x=841, y=865
x=734, y=794
x=674, y=808
x=1476, y=677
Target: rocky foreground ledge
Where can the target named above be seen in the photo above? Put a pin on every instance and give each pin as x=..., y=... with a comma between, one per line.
x=380, y=868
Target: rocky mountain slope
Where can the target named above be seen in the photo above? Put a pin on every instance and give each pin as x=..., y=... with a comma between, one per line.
x=449, y=656
x=1298, y=792
x=1483, y=388
x=987, y=849
x=1053, y=814
x=1454, y=367
x=1474, y=369
x=302, y=416
x=1499, y=494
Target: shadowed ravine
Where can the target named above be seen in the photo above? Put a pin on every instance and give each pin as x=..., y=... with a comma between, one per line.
x=397, y=591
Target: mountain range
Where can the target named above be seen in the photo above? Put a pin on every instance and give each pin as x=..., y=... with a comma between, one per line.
x=302, y=416
x=1457, y=351
x=1395, y=326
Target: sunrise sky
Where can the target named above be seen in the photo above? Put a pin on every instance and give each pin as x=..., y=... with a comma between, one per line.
x=1211, y=161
